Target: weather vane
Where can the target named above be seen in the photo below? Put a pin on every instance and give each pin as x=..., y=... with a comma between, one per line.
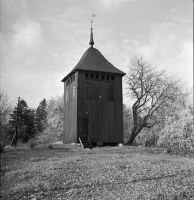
x=93, y=15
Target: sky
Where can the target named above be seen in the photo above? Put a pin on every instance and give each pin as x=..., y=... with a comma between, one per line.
x=42, y=40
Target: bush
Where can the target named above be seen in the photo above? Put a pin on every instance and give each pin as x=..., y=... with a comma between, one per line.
x=32, y=144
x=169, y=150
x=49, y=135
x=50, y=146
x=146, y=138
x=177, y=133
x=1, y=148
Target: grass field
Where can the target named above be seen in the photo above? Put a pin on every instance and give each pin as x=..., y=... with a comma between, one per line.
x=68, y=172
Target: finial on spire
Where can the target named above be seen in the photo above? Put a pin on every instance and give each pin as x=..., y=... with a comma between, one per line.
x=91, y=34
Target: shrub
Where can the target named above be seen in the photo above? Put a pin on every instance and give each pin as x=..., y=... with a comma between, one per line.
x=146, y=138
x=50, y=146
x=32, y=144
x=177, y=133
x=1, y=148
x=169, y=150
x=49, y=135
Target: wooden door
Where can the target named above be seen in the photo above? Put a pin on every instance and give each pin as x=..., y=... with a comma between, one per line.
x=83, y=127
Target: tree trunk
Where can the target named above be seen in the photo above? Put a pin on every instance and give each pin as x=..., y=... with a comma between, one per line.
x=131, y=139
x=134, y=133
x=137, y=127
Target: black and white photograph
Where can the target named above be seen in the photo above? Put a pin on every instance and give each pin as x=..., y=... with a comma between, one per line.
x=96, y=100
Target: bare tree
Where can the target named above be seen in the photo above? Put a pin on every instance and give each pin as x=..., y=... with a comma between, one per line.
x=5, y=108
x=152, y=89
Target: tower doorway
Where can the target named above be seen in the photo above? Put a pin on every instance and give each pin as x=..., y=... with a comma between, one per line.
x=83, y=127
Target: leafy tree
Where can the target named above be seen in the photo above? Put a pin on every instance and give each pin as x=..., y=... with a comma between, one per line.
x=30, y=120
x=55, y=112
x=54, y=128
x=41, y=116
x=127, y=121
x=178, y=132
x=26, y=121
x=171, y=110
x=21, y=109
x=152, y=89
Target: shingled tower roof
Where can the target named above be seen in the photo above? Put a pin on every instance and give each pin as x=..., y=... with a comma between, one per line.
x=93, y=60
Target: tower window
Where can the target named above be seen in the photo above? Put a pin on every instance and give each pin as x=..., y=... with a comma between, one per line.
x=73, y=78
x=68, y=81
x=112, y=78
x=87, y=75
x=91, y=75
x=97, y=76
x=73, y=95
x=67, y=96
x=107, y=77
x=102, y=76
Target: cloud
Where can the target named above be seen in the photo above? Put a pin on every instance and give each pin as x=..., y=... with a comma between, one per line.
x=19, y=21
x=25, y=24
x=28, y=27
x=166, y=41
x=162, y=41
x=169, y=45
x=108, y=5
x=37, y=76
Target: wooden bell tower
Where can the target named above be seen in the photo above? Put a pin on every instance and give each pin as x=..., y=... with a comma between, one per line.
x=93, y=100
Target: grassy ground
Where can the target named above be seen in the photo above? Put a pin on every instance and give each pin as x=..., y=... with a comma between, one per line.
x=67, y=172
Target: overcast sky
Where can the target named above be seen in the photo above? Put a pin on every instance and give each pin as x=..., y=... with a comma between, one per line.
x=42, y=40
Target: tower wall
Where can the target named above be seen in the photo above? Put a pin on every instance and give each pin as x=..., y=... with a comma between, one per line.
x=102, y=108
x=70, y=110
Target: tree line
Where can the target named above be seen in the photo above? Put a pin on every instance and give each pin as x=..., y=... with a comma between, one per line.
x=31, y=123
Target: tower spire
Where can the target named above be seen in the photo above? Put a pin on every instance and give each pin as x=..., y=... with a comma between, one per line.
x=91, y=34
x=91, y=39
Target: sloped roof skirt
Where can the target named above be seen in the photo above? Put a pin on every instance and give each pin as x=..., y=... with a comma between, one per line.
x=93, y=60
